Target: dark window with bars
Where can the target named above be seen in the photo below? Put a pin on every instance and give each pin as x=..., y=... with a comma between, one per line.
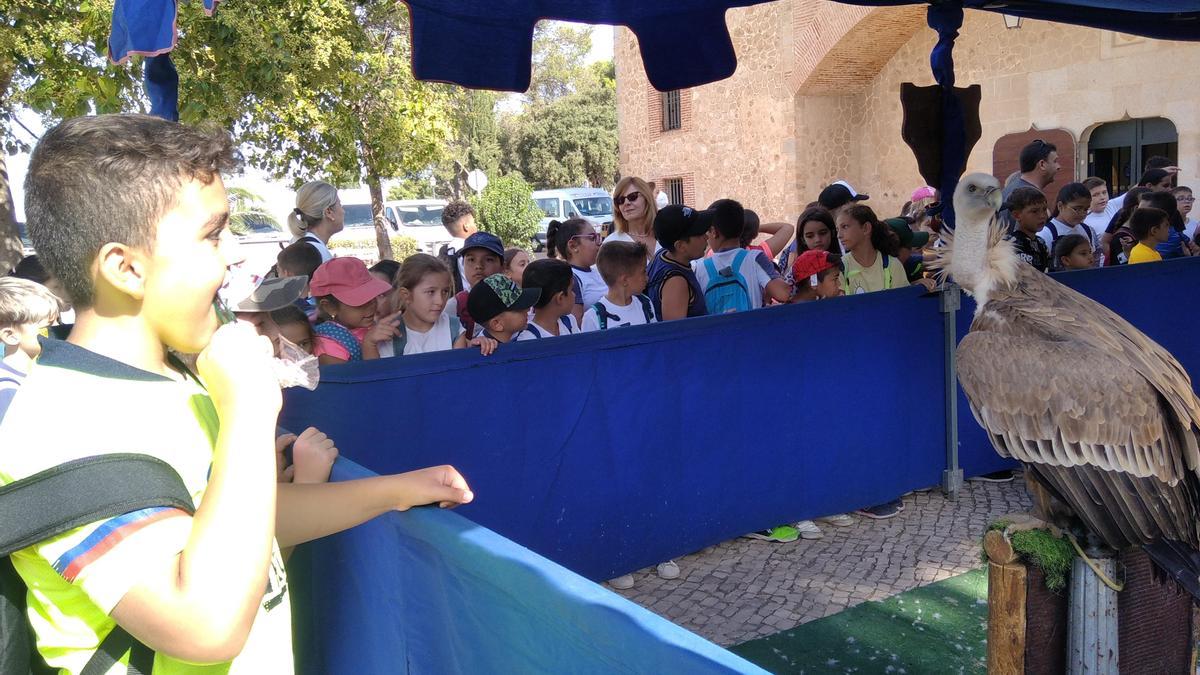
x=671, y=117
x=674, y=188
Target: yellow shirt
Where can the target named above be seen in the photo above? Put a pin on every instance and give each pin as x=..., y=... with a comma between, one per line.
x=77, y=578
x=1142, y=253
x=858, y=279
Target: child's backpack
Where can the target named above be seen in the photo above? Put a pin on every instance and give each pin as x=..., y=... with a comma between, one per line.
x=341, y=335
x=1055, y=236
x=603, y=315
x=726, y=290
x=59, y=500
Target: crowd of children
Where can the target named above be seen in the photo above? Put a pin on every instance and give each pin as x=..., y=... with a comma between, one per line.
x=141, y=294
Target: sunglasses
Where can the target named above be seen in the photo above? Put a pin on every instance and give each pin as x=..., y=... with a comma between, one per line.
x=631, y=198
x=594, y=237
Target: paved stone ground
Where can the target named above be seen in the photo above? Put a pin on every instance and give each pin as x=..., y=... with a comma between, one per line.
x=745, y=589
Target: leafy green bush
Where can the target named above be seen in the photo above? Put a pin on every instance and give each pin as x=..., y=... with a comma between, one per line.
x=506, y=209
x=402, y=247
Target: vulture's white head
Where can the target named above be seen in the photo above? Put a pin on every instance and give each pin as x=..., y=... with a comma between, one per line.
x=978, y=257
x=976, y=199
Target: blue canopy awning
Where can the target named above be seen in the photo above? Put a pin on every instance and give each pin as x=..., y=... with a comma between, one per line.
x=487, y=43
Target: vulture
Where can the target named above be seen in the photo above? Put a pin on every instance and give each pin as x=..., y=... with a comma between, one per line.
x=1103, y=419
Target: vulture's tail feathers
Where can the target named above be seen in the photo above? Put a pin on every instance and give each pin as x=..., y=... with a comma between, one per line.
x=1178, y=561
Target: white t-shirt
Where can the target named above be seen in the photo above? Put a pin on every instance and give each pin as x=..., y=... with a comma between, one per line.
x=436, y=339
x=1098, y=221
x=1064, y=230
x=535, y=331
x=452, y=249
x=633, y=314
x=1189, y=228
x=589, y=286
x=313, y=239
x=1115, y=204
x=756, y=277
x=624, y=236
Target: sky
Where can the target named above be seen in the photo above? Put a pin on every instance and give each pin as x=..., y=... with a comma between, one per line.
x=277, y=196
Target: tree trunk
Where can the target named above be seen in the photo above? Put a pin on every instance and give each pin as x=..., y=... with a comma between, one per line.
x=10, y=240
x=382, y=238
x=11, y=248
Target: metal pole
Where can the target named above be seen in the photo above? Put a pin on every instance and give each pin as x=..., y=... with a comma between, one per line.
x=951, y=300
x=1092, y=618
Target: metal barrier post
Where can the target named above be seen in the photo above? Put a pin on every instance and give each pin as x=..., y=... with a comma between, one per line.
x=952, y=476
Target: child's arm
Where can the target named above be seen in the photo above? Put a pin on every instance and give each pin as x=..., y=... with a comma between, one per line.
x=674, y=298
x=778, y=290
x=383, y=330
x=486, y=344
x=199, y=605
x=307, y=512
x=781, y=234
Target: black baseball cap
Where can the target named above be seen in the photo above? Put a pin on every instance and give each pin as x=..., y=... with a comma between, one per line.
x=674, y=222
x=839, y=194
x=497, y=294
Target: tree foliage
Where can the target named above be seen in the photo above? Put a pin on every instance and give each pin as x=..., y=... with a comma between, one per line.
x=571, y=139
x=506, y=209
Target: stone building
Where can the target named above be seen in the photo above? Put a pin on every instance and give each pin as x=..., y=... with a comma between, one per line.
x=816, y=98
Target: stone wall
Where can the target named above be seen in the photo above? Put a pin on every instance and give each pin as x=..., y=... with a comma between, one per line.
x=805, y=108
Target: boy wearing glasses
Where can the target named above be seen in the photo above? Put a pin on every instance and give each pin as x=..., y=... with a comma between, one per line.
x=1185, y=201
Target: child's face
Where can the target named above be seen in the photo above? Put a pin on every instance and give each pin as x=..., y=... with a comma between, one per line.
x=851, y=233
x=1185, y=201
x=1074, y=211
x=192, y=251
x=22, y=338
x=1032, y=218
x=692, y=248
x=1081, y=258
x=264, y=325
x=516, y=270
x=635, y=281
x=831, y=285
x=1161, y=232
x=428, y=298
x=480, y=263
x=509, y=323
x=298, y=333
x=816, y=235
x=583, y=248
x=354, y=317
x=1099, y=198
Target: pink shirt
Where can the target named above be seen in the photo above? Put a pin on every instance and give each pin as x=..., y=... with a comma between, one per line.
x=324, y=345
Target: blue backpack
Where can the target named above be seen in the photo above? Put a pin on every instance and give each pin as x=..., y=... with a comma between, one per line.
x=727, y=291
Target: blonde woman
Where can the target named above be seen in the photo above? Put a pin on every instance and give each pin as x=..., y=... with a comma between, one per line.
x=318, y=216
x=633, y=213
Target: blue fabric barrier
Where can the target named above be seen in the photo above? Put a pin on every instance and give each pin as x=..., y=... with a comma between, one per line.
x=610, y=452
x=428, y=591
x=1156, y=298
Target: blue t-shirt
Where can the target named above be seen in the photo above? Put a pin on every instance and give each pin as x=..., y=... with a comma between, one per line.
x=663, y=268
x=1173, y=246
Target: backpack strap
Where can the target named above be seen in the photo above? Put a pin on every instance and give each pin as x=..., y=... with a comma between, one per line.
x=887, y=271
x=456, y=327
x=712, y=272
x=399, y=341
x=601, y=315
x=64, y=497
x=1053, y=232
x=647, y=308
x=564, y=321
x=738, y=259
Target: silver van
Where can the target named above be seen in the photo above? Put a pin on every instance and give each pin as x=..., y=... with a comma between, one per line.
x=593, y=204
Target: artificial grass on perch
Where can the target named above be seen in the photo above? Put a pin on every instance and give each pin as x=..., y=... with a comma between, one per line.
x=1051, y=554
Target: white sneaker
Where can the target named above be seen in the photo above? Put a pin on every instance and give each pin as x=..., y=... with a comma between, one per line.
x=808, y=530
x=838, y=520
x=668, y=570
x=622, y=583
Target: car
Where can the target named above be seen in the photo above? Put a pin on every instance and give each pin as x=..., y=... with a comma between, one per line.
x=420, y=219
x=592, y=204
x=26, y=242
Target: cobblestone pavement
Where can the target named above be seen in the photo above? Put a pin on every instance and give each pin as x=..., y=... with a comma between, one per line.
x=744, y=589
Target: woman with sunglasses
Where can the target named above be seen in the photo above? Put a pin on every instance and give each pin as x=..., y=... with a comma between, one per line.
x=633, y=213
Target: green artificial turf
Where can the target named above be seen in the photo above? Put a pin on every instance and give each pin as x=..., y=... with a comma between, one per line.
x=939, y=628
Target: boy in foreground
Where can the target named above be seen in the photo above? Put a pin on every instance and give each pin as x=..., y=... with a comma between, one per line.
x=130, y=212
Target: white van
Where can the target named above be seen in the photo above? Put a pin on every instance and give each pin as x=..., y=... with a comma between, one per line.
x=420, y=219
x=593, y=204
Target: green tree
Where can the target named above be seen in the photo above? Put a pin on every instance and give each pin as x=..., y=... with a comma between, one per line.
x=559, y=51
x=571, y=139
x=506, y=209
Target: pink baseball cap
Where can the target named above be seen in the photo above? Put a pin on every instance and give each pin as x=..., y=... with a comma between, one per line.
x=923, y=193
x=348, y=280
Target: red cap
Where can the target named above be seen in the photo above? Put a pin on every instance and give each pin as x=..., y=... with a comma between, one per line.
x=348, y=280
x=810, y=263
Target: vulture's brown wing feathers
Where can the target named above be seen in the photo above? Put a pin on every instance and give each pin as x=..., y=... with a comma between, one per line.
x=1099, y=412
